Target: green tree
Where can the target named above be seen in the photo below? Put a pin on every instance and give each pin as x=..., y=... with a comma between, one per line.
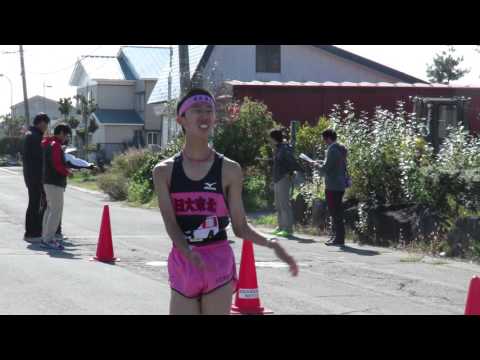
x=243, y=137
x=65, y=107
x=445, y=67
x=12, y=126
x=72, y=122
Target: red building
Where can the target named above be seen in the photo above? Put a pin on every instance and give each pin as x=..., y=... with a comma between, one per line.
x=308, y=101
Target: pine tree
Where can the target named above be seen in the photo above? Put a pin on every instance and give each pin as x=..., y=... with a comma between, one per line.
x=445, y=67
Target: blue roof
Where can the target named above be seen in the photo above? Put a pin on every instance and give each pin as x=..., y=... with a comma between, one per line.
x=160, y=91
x=145, y=62
x=128, y=74
x=118, y=117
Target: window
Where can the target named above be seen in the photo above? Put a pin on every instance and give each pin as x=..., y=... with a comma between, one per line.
x=268, y=58
x=153, y=138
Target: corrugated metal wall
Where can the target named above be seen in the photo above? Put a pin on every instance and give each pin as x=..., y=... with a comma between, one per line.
x=289, y=103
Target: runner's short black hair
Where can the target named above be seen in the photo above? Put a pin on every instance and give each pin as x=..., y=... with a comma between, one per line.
x=41, y=117
x=277, y=135
x=192, y=92
x=330, y=134
x=62, y=128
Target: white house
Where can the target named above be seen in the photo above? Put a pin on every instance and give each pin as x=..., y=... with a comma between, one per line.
x=37, y=104
x=120, y=86
x=212, y=65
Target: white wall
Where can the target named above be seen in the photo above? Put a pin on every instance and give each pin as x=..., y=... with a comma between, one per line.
x=305, y=62
x=116, y=97
x=83, y=78
x=152, y=121
x=36, y=105
x=298, y=63
x=120, y=133
x=98, y=136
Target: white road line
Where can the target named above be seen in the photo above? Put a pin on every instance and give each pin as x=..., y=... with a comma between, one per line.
x=93, y=192
x=157, y=263
x=265, y=264
x=113, y=236
x=10, y=171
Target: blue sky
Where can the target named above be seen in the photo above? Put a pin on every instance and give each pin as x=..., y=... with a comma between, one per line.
x=52, y=65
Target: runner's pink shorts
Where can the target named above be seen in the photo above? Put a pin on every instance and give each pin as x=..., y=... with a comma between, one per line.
x=192, y=282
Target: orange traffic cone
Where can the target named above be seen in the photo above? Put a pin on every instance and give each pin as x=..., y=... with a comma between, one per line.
x=104, y=247
x=473, y=299
x=247, y=299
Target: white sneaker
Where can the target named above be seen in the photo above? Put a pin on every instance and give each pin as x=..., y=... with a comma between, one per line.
x=53, y=244
x=60, y=237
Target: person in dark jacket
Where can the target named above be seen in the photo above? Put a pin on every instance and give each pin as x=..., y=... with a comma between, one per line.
x=335, y=171
x=55, y=173
x=284, y=164
x=32, y=174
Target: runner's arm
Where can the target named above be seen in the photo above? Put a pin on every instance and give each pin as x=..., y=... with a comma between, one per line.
x=241, y=228
x=160, y=175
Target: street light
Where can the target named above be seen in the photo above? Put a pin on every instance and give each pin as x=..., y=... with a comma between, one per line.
x=11, y=93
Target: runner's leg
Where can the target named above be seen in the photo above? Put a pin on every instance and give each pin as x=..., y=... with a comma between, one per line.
x=181, y=305
x=219, y=301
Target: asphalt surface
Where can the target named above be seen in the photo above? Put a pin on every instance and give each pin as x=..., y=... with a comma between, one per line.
x=354, y=280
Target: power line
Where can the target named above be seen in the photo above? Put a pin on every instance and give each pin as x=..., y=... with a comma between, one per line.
x=70, y=66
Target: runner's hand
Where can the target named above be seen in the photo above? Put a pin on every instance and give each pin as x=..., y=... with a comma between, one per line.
x=283, y=255
x=196, y=259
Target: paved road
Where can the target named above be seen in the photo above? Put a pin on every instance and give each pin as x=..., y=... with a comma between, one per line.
x=357, y=280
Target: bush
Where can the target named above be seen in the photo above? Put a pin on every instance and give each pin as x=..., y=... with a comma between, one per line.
x=141, y=188
x=130, y=176
x=383, y=159
x=140, y=192
x=114, y=184
x=310, y=142
x=309, y=139
x=11, y=145
x=242, y=139
x=392, y=165
x=129, y=162
x=254, y=193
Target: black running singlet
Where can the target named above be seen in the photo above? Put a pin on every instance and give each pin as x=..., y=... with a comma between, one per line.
x=200, y=206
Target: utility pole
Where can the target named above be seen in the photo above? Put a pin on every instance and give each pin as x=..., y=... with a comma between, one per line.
x=170, y=75
x=44, y=105
x=25, y=97
x=168, y=113
x=184, y=63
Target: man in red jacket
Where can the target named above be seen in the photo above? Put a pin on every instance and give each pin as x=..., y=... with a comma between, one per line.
x=55, y=173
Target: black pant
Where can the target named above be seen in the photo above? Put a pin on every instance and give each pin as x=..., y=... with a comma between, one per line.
x=34, y=215
x=335, y=207
x=37, y=203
